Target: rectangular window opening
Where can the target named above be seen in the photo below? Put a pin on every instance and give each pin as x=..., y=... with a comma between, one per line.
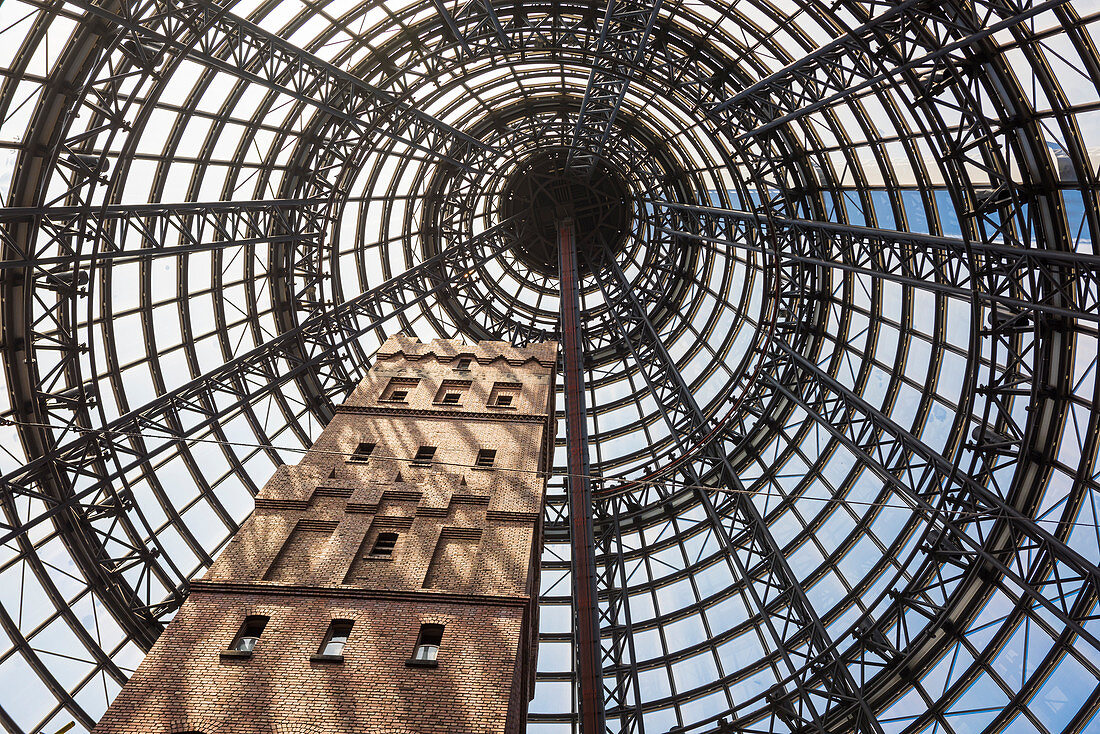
x=398, y=389
x=424, y=456
x=451, y=392
x=336, y=638
x=248, y=635
x=486, y=458
x=504, y=394
x=427, y=645
x=384, y=544
x=362, y=453
x=464, y=364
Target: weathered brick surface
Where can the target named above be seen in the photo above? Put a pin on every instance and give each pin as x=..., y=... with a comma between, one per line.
x=466, y=558
x=303, y=551
x=373, y=690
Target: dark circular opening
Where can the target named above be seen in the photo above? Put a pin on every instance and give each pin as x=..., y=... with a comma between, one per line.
x=545, y=190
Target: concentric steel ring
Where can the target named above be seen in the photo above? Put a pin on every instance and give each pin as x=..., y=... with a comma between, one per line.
x=856, y=266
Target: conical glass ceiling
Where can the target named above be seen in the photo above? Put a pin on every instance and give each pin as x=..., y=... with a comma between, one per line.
x=839, y=305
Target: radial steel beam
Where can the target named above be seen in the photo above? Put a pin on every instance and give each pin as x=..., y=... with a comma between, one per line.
x=882, y=239
x=627, y=25
x=131, y=232
x=881, y=49
x=76, y=487
x=208, y=34
x=582, y=539
x=468, y=25
x=623, y=699
x=825, y=691
x=490, y=17
x=452, y=26
x=936, y=485
x=987, y=271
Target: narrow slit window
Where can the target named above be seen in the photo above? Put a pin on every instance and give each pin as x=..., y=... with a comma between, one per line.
x=424, y=456
x=384, y=544
x=362, y=452
x=336, y=638
x=427, y=645
x=486, y=458
x=249, y=634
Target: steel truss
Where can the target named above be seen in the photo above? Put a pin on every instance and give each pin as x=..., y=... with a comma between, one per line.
x=92, y=499
x=1005, y=279
x=775, y=331
x=824, y=690
x=620, y=49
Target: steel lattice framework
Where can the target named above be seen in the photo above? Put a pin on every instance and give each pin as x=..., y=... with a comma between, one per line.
x=839, y=371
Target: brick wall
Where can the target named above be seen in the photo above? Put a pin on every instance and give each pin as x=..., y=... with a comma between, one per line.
x=300, y=554
x=466, y=557
x=186, y=685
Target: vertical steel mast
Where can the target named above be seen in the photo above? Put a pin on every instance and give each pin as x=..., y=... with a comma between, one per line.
x=585, y=606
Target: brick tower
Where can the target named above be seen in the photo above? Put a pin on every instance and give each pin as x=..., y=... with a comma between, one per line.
x=388, y=582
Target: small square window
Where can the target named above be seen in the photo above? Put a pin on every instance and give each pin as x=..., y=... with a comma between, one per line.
x=504, y=395
x=451, y=392
x=384, y=544
x=335, y=640
x=464, y=364
x=424, y=456
x=398, y=389
x=362, y=453
x=486, y=458
x=427, y=645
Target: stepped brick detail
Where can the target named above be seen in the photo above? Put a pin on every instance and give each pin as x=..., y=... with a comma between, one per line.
x=358, y=532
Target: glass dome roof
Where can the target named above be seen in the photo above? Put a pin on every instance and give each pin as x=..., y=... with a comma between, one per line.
x=840, y=365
